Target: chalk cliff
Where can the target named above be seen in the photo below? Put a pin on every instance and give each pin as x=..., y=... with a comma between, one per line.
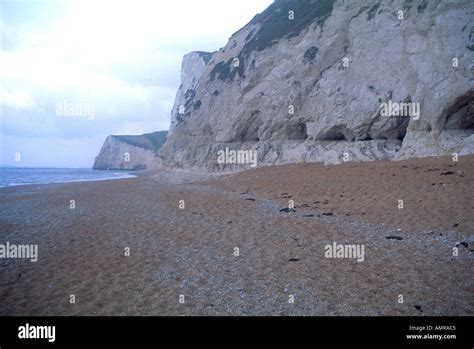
x=130, y=152
x=193, y=66
x=307, y=80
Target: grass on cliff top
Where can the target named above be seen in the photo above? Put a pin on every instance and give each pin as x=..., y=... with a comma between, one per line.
x=152, y=141
x=275, y=23
x=206, y=56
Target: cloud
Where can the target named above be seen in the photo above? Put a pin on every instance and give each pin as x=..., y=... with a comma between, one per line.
x=122, y=57
x=15, y=99
x=53, y=152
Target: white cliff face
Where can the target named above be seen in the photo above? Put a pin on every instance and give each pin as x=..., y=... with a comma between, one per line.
x=193, y=66
x=314, y=88
x=130, y=152
x=116, y=155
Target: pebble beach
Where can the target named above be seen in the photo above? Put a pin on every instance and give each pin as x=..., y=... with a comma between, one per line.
x=250, y=243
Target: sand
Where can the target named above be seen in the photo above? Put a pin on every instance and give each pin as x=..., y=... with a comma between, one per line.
x=190, y=252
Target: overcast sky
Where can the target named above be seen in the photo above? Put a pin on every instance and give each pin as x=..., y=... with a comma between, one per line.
x=121, y=58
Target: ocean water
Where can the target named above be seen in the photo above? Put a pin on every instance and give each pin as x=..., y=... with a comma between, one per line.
x=11, y=176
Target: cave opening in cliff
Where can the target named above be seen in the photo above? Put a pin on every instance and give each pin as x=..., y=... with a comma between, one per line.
x=337, y=133
x=298, y=132
x=403, y=129
x=459, y=116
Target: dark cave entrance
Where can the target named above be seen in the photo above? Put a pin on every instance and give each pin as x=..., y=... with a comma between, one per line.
x=460, y=114
x=337, y=133
x=297, y=131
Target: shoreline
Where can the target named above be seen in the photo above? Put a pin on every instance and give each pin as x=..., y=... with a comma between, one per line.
x=125, y=176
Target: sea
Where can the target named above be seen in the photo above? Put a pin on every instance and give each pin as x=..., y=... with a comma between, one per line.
x=12, y=176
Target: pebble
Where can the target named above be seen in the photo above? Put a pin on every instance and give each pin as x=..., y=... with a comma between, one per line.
x=393, y=237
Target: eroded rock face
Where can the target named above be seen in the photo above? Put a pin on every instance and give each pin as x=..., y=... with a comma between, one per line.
x=312, y=88
x=130, y=152
x=193, y=66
